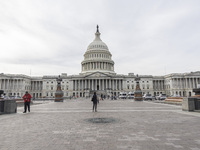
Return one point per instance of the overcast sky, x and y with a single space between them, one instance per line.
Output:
145 37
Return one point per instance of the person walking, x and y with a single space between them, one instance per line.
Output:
27 99
95 100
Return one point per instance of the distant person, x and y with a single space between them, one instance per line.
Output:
94 100
27 99
101 96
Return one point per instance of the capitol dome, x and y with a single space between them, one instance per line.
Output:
97 57
97 44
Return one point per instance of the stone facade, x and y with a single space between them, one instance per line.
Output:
98 75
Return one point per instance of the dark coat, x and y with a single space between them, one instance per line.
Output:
94 99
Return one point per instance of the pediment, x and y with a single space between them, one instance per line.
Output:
97 75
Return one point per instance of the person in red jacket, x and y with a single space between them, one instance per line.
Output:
27 99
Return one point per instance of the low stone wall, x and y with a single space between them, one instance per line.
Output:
174 100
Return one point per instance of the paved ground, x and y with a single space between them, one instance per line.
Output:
65 126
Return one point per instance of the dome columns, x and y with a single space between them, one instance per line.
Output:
92 66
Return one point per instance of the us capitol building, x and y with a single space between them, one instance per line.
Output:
98 75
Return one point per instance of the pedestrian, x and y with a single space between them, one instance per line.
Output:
95 100
27 99
102 97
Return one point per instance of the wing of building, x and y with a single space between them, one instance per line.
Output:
98 74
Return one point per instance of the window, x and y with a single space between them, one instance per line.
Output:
52 88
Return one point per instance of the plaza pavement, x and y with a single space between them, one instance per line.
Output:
65 126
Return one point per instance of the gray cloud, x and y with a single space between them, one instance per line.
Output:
145 37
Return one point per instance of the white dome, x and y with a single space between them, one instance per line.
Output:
97 57
97 44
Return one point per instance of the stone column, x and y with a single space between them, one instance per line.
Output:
3 84
79 85
190 83
156 84
7 85
36 85
193 83
13 83
196 82
186 83
111 82
180 83
100 84
75 85
160 84
115 84
89 84
120 87
83 85
103 84
177 83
